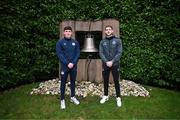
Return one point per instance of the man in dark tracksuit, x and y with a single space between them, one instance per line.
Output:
110 50
68 52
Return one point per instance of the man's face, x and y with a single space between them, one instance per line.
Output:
67 33
108 31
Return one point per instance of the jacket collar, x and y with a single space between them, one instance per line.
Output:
110 38
67 38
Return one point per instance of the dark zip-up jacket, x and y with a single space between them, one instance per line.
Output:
68 51
110 49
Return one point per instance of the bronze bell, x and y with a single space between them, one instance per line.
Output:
89 44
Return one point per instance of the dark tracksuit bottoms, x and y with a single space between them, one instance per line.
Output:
115 74
64 75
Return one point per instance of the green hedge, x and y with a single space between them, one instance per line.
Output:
149 30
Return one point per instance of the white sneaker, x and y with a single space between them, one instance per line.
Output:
118 100
104 99
63 106
75 101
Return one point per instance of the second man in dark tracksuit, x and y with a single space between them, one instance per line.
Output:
110 50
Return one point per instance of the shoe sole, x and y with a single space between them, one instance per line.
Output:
74 102
119 106
105 101
62 108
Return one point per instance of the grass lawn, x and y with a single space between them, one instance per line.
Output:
18 104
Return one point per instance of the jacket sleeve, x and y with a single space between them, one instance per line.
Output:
118 51
60 54
77 53
101 52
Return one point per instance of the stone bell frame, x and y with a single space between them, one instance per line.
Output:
94 72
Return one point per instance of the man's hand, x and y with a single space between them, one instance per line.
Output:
70 65
109 63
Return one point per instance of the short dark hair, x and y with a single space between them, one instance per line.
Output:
67 28
109 26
